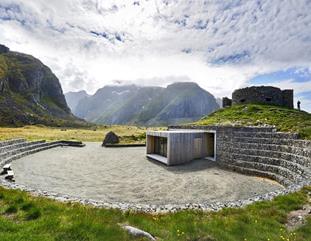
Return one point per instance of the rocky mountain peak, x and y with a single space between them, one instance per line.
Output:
183 85
30 91
148 105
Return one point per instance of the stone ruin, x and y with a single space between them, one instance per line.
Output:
4 49
261 95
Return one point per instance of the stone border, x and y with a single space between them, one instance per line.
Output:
150 208
125 145
156 209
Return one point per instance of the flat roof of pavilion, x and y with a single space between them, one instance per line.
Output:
166 133
180 131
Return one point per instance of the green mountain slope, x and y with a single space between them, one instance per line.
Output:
282 118
30 93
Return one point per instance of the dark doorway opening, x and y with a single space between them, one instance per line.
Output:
211 145
160 146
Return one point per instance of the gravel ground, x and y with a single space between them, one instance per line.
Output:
125 175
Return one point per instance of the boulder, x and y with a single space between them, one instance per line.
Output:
111 138
138 232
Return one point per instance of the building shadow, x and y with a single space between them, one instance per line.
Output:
193 166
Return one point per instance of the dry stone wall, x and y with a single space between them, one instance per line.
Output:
262 151
11 150
255 151
14 149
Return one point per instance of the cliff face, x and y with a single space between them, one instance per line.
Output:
29 92
178 103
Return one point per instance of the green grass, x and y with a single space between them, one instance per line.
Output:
128 134
3 67
253 114
46 220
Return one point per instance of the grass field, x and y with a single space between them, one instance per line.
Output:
27 218
128 134
23 217
283 118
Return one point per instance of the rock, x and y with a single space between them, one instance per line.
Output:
111 138
297 218
137 232
32 93
4 49
147 105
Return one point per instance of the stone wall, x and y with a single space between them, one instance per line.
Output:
262 152
288 98
14 149
263 95
226 102
254 151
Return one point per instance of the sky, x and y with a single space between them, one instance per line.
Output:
221 45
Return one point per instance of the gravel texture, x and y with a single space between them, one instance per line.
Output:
124 175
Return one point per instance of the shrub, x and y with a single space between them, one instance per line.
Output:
19 200
33 214
27 206
11 209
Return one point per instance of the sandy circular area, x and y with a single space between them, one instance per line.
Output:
126 175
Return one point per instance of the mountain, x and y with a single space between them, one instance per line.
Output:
73 98
131 104
30 93
219 102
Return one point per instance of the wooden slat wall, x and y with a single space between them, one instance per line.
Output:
181 146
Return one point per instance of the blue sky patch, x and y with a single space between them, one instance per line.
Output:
201 24
233 59
10 12
295 74
304 95
99 34
305 99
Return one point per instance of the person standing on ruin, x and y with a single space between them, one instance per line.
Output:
298 104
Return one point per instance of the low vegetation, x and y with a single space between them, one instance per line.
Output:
128 134
24 217
282 118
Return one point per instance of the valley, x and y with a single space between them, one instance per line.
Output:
143 105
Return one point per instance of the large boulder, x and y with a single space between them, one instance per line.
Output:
111 138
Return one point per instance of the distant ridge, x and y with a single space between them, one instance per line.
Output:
148 105
73 98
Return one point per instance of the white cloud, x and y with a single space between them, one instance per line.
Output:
300 88
218 44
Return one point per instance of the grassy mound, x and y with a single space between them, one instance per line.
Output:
23 217
282 118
